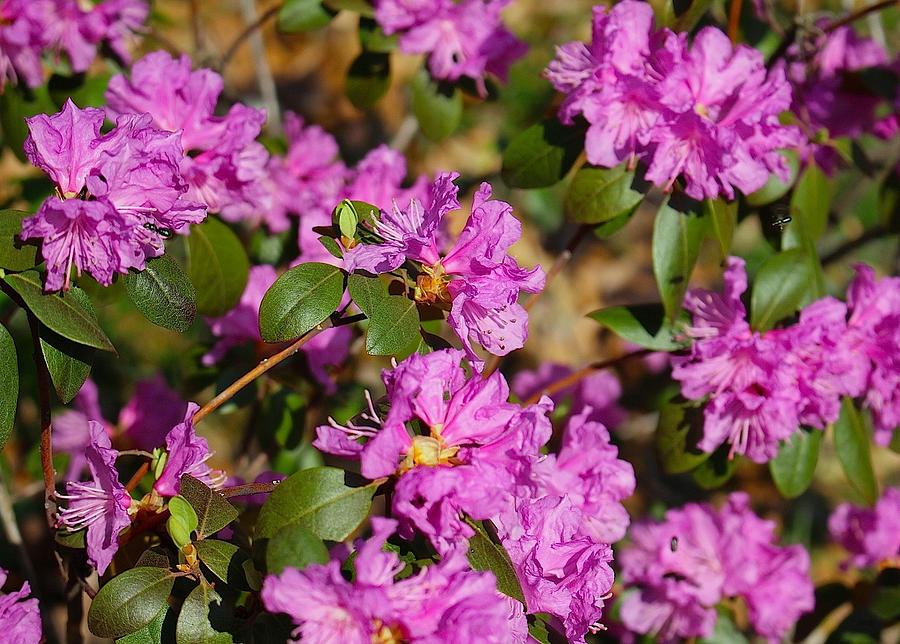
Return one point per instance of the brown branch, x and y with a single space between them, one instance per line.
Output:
248 489
859 13
43 381
136 478
264 17
848 247
734 20
264 365
574 377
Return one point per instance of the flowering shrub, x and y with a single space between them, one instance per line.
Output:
320 375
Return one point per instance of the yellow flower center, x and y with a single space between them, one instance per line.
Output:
431 285
429 451
385 634
702 110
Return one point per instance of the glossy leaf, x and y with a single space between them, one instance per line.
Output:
679 429
299 300
780 287
542 155
14 255
810 205
294 546
393 328
331 503
793 468
129 601
217 266
302 15
715 471
163 293
484 554
853 445
367 292
203 606
722 222
182 521
368 78
677 234
63 314
16 104
598 195
214 512
438 108
9 385
152 633
642 324
229 563
68 363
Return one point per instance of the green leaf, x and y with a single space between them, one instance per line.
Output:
203 606
780 287
484 554
163 293
299 300
69 363
810 205
689 19
14 255
9 385
229 563
16 104
679 429
182 521
393 328
722 222
64 314
331 503
611 227
129 601
438 108
217 266
294 546
715 471
853 445
214 512
642 324
677 234
371 35
152 633
541 155
368 78
775 188
597 195
793 468
347 218
302 15
367 292
725 632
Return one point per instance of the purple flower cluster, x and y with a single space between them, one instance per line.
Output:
31 28
822 98
187 453
241 325
761 386
707 112
696 557
446 601
20 615
477 277
223 164
461 39
870 535
115 192
479 457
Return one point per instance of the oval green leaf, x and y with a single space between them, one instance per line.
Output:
203 606
368 78
9 385
163 293
229 563
853 445
302 15
329 502
722 222
14 255
299 300
484 554
69 364
393 328
793 468
642 324
677 233
780 287
679 429
294 546
217 266
129 601
598 195
542 155
63 314
214 512
438 108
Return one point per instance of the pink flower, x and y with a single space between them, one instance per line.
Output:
870 535
20 615
600 391
444 601
681 568
22 37
378 178
460 38
153 409
223 164
187 453
115 193
477 277
707 113
71 428
102 505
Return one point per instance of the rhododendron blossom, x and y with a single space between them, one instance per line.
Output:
598 392
871 536
186 453
20 615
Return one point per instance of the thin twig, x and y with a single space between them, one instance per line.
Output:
43 381
136 478
264 17
248 489
405 133
558 264
873 233
574 377
859 13
734 19
264 365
